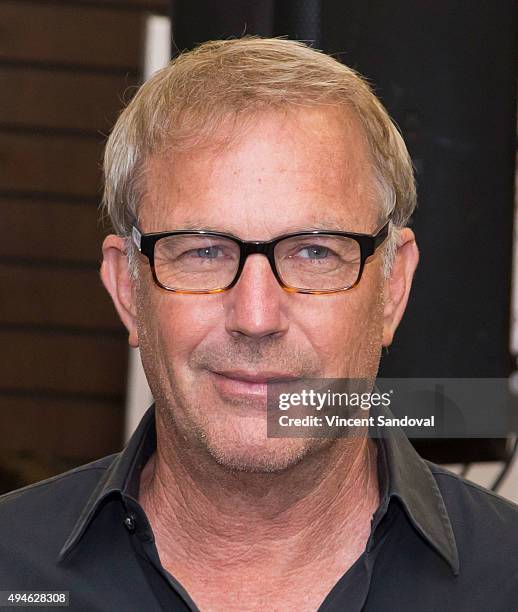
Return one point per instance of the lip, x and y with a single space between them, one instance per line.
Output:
241 383
257 377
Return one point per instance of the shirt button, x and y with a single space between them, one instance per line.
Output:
129 523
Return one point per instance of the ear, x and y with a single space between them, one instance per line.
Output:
397 286
116 278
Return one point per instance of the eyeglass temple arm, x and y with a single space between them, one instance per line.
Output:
137 237
381 234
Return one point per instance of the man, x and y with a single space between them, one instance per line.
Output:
259 194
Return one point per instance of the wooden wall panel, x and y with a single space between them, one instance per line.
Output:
67 427
86 364
66 69
46 296
51 164
67 35
46 230
64 99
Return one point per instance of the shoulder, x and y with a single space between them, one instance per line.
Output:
46 489
41 515
471 499
485 525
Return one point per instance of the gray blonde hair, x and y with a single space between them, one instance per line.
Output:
183 104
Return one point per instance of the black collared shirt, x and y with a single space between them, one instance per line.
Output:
438 543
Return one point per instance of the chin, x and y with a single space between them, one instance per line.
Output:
265 456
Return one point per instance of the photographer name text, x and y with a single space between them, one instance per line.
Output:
370 421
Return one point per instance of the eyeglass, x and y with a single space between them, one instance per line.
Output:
317 262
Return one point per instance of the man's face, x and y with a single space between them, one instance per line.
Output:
207 356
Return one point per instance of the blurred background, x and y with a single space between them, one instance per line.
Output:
69 390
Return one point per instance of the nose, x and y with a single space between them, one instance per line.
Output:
255 305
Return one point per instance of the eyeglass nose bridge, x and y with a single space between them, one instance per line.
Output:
257 247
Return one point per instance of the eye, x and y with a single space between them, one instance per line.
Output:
206 253
314 251
209 252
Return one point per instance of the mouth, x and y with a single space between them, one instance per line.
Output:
248 384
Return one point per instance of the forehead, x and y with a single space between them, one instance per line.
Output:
306 167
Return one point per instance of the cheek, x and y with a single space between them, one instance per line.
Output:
182 322
327 318
345 330
170 327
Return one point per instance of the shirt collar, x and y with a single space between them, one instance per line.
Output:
412 483
120 479
410 480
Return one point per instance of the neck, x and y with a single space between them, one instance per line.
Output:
320 508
